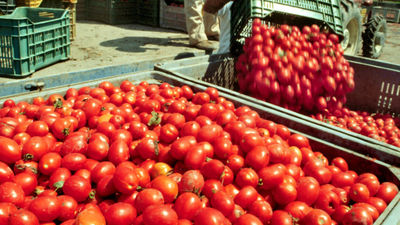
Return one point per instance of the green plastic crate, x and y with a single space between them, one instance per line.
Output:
32 38
293 12
148 12
111 11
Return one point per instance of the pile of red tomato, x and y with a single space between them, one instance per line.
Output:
382 127
306 71
303 70
152 154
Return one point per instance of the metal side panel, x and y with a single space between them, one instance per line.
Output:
323 143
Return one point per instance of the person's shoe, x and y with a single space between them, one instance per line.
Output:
207 45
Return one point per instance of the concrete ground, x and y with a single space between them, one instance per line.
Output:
98 45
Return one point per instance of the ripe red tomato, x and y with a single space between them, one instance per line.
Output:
247 177
77 187
246 196
257 158
73 161
167 186
12 193
271 176
46 208
23 216
317 216
387 191
10 152
125 179
6 210
280 217
191 181
27 181
147 197
118 152
120 213
223 202
210 216
213 169
358 215
68 207
49 162
37 128
307 190
359 192
160 214
187 205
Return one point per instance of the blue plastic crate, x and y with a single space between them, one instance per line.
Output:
32 38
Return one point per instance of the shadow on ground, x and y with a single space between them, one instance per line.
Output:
138 44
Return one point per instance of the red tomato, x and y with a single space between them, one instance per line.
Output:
317 216
387 191
209 216
192 181
190 128
125 179
118 152
167 186
359 192
10 152
27 181
68 207
12 193
77 187
37 128
187 205
46 208
49 162
23 216
307 190
75 143
378 203
209 133
341 163
357 215
6 174
246 196
223 202
168 133
6 210
212 169
247 177
147 148
120 213
90 215
73 161
271 176
257 158
160 215
147 197
280 217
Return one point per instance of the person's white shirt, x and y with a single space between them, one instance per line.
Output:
224 16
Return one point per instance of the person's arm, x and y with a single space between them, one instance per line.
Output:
212 6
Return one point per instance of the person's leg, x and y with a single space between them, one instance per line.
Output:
194 21
211 24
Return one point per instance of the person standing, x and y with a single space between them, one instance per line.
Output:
201 26
223 10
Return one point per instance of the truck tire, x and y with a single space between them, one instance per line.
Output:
352 27
374 37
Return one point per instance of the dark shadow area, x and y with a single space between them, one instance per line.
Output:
138 44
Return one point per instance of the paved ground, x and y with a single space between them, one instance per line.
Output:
99 45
